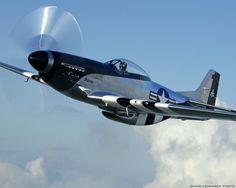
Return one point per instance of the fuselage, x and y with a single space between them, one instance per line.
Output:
123 90
79 77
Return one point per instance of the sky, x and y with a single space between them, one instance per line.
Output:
47 140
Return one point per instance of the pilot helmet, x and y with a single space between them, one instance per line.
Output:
123 66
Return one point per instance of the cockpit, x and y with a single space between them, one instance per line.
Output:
129 69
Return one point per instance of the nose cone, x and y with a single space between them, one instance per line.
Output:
42 61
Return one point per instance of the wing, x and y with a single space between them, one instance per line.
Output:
189 110
22 72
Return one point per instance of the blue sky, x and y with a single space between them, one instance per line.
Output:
70 143
174 37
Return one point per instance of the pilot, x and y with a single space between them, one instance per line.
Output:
123 67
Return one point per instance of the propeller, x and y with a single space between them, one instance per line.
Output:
46 28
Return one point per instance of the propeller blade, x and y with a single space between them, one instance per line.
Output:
46 28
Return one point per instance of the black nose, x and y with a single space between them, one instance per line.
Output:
42 61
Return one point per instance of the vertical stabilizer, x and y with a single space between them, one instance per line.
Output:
207 91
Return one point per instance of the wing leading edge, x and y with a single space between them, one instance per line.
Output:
22 72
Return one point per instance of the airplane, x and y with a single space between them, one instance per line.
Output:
120 88
123 90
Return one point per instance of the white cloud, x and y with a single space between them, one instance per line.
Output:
33 175
35 167
12 176
102 155
191 152
111 155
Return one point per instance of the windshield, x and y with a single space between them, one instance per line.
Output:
128 68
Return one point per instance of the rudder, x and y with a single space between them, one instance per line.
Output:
207 91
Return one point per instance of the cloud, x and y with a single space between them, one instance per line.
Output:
97 155
12 176
34 175
59 150
190 152
35 167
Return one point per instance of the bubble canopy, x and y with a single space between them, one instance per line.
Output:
128 68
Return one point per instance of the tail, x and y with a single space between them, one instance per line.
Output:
207 91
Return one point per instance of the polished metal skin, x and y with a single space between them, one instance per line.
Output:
123 90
